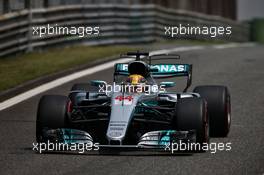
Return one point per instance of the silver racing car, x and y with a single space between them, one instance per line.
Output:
135 111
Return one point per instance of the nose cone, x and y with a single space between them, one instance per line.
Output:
122 112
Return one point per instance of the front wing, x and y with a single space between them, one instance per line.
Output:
151 141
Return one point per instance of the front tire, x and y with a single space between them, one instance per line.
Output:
219 108
52 114
191 114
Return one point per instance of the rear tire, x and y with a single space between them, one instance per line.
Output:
191 114
85 87
52 114
219 108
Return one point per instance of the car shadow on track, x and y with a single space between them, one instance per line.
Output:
110 153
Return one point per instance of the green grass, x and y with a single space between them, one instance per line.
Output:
19 69
257 28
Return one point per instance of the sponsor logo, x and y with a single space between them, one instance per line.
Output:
126 100
162 68
170 68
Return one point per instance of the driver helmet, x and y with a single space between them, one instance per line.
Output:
136 79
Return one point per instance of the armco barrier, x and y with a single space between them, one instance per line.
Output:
118 24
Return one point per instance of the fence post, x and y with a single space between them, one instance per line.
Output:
45 3
28 6
6 6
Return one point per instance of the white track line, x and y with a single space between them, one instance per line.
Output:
47 86
233 45
177 49
60 81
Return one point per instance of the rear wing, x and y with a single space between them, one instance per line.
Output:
170 70
159 70
162 71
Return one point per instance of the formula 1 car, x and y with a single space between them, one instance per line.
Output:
146 116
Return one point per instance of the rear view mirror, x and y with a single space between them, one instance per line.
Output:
167 84
98 83
154 69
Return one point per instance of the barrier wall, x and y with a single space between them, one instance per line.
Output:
118 24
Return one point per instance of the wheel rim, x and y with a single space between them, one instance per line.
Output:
206 125
228 112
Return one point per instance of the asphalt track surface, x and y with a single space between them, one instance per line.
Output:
241 69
